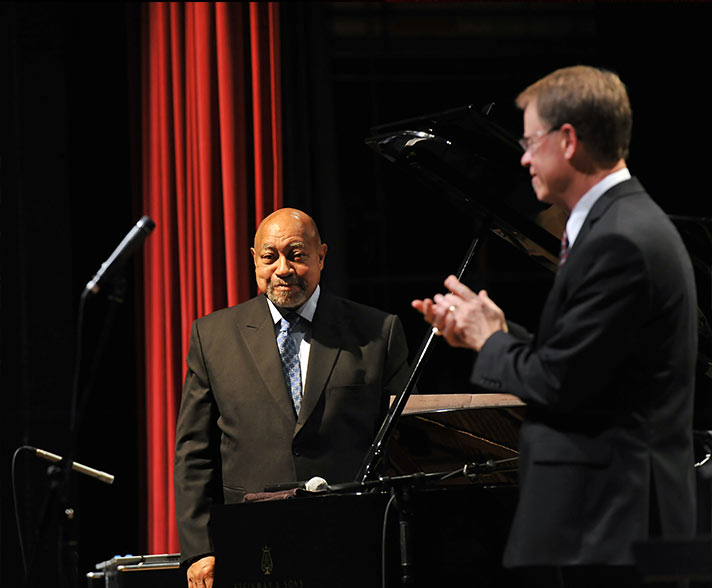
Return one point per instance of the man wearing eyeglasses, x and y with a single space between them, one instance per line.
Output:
606 453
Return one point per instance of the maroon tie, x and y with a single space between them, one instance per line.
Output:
564 249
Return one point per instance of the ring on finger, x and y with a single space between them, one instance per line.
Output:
452 308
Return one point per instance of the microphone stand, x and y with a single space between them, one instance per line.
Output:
59 507
402 489
56 475
403 496
67 541
60 475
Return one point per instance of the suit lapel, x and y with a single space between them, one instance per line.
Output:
325 347
258 331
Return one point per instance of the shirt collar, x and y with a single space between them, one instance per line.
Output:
306 310
585 204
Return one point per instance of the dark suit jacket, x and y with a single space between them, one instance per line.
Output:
605 449
237 429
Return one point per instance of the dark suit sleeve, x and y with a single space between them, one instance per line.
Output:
197 476
597 312
519 332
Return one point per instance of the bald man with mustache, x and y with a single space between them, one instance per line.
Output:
248 417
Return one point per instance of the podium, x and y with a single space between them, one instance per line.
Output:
353 540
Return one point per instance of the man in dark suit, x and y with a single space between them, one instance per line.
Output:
287 386
605 449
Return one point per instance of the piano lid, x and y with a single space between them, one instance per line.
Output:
443 432
474 162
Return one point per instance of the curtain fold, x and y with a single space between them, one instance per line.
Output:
212 164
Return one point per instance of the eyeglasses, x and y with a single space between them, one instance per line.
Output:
530 143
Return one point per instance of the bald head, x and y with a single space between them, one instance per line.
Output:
288 215
289 256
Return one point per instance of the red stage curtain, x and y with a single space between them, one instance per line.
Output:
212 169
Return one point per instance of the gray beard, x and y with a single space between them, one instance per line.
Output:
288 299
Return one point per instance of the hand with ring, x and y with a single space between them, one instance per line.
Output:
464 318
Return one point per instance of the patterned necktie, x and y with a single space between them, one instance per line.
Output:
290 359
564 252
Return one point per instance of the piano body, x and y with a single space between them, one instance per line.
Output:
413 527
456 527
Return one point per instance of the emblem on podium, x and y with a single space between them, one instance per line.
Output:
266 563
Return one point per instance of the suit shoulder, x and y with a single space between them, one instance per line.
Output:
238 312
630 212
637 229
632 198
359 310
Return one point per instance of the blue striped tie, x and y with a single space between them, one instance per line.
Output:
290 359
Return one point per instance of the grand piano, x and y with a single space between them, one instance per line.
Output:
432 503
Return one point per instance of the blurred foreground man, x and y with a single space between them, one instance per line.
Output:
606 453
284 387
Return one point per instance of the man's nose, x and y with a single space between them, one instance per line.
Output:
283 266
526 159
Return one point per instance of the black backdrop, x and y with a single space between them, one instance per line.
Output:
70 189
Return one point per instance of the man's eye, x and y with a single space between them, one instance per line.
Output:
268 258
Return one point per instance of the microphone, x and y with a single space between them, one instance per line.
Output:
132 241
77 467
316 484
473 470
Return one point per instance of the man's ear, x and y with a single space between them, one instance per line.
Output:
569 140
322 254
254 255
